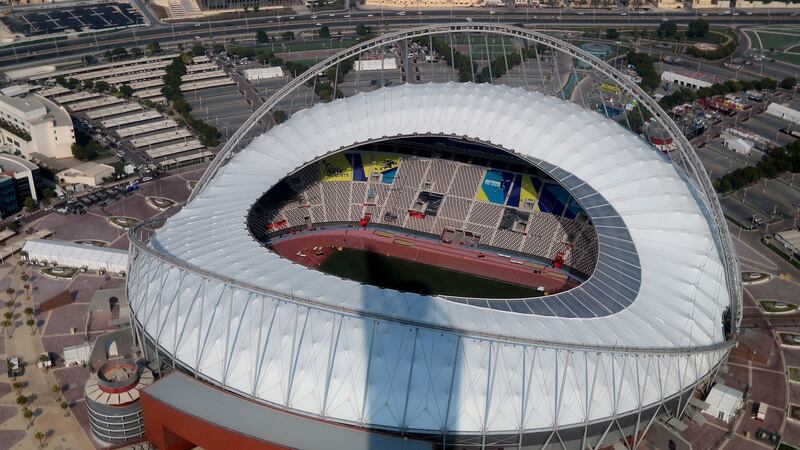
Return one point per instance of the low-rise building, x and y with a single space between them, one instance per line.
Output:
89 173
32 123
687 78
724 402
263 73
784 112
790 240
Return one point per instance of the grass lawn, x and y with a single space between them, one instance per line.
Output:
60 272
772 306
786 447
124 222
396 273
789 339
784 39
794 374
794 412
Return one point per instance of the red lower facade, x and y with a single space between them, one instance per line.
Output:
171 429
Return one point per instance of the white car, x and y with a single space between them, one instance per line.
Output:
401 13
146 179
314 17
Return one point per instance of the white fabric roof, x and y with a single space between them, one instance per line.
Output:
70 254
723 399
340 359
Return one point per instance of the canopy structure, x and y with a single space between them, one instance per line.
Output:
222 306
70 254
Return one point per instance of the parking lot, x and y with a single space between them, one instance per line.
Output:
223 107
74 18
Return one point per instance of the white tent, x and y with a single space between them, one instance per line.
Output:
263 73
784 112
77 354
376 64
69 254
723 402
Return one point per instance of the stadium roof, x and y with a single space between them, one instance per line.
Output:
333 347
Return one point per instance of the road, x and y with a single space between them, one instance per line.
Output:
237 28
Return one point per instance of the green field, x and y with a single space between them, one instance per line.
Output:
408 276
784 40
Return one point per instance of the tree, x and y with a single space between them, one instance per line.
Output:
32 324
47 197
7 326
41 437
612 33
698 28
17 387
279 115
10 292
198 49
218 48
88 59
789 83
667 29
261 36
119 52
65 407
56 390
153 48
87 84
362 30
136 52
22 400
72 83
101 86
30 204
126 91
29 311
324 32
28 415
288 36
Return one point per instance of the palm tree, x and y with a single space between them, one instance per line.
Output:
39 436
65 407
56 390
31 323
22 401
29 312
8 315
27 289
10 291
17 387
7 324
28 415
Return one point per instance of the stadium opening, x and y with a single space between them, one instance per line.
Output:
430 215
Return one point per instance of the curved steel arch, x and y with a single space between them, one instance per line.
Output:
688 161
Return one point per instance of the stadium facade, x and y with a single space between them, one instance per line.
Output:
303 359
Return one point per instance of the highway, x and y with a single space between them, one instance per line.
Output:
218 31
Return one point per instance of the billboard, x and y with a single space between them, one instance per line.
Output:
495 187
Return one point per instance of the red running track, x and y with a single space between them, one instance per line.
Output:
299 247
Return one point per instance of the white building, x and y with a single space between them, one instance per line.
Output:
375 64
723 402
736 143
34 124
89 173
263 73
784 112
79 256
685 78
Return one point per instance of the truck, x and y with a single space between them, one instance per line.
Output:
762 411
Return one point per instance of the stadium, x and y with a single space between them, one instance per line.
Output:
435 265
